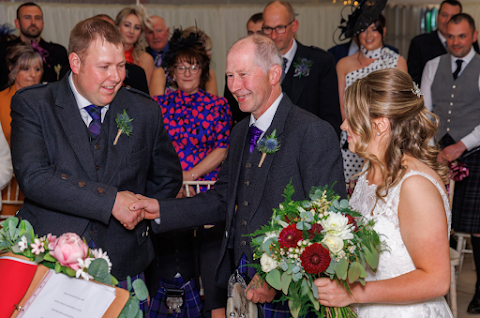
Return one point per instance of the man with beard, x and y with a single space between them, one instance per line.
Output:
30 23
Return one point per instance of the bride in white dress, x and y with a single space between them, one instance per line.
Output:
402 189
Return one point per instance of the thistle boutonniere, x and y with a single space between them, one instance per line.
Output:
57 69
302 67
124 125
268 145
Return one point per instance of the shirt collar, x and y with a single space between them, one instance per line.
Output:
466 59
82 102
443 40
264 121
291 53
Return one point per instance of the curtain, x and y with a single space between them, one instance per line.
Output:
226 23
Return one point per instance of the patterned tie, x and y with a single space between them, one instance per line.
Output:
96 124
459 68
254 134
158 60
285 61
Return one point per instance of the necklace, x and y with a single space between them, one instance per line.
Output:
375 54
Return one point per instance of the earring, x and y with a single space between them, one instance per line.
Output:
378 133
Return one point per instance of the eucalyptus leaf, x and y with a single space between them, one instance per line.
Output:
315 291
363 272
314 301
300 226
296 276
266 246
140 289
291 266
341 267
16 249
305 287
286 280
129 283
273 279
98 268
39 258
331 268
362 281
131 308
354 272
296 269
336 204
284 265
344 204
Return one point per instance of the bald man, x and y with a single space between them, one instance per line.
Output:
157 34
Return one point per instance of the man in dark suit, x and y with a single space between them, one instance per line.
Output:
310 77
30 23
74 177
157 34
245 193
427 46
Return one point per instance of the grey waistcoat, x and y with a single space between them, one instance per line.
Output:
456 103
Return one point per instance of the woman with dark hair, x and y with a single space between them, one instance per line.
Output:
198 124
367 24
401 187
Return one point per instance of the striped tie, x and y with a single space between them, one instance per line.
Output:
96 123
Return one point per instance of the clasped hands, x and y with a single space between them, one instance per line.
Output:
130 208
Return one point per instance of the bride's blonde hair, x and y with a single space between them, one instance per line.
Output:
390 93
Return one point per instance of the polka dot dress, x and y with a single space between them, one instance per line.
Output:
352 164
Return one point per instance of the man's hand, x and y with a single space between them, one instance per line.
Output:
150 207
451 153
259 291
121 210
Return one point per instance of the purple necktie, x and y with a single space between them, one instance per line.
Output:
254 134
96 124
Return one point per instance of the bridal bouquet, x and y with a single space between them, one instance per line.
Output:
70 255
319 237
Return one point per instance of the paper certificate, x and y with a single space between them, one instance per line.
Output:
60 296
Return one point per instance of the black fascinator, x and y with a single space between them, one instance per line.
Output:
358 21
179 42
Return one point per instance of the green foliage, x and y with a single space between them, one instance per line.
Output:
273 279
124 122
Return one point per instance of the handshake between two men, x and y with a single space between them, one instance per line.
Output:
130 209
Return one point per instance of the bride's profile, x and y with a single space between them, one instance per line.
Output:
401 186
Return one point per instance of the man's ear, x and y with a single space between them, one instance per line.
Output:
75 62
275 74
17 24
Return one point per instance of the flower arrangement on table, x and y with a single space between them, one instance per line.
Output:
319 237
70 255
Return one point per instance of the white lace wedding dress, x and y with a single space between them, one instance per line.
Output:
397 260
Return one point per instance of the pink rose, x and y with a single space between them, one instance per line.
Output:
51 241
68 249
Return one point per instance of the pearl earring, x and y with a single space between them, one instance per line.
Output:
378 133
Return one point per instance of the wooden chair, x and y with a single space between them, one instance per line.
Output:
452 293
11 195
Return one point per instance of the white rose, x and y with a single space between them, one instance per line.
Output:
267 263
337 224
333 243
270 235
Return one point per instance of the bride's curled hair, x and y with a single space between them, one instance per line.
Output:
390 93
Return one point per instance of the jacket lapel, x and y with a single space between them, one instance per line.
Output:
278 124
116 153
291 85
72 124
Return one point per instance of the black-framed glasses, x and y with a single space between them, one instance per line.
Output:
181 69
278 29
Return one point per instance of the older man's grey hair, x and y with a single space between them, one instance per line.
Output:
266 53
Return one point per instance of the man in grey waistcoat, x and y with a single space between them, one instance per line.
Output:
451 88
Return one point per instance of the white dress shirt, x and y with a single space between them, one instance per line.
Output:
471 140
263 122
82 102
290 55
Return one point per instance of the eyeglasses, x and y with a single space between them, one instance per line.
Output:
181 69
278 29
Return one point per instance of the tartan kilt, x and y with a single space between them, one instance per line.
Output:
466 197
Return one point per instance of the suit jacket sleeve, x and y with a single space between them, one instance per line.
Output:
6 169
414 60
328 93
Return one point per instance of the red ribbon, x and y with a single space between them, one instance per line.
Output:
458 171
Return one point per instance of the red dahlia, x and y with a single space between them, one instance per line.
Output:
315 259
316 229
351 220
290 236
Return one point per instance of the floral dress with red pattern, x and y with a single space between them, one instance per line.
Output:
197 124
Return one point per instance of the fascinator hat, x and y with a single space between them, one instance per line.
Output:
180 42
358 21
